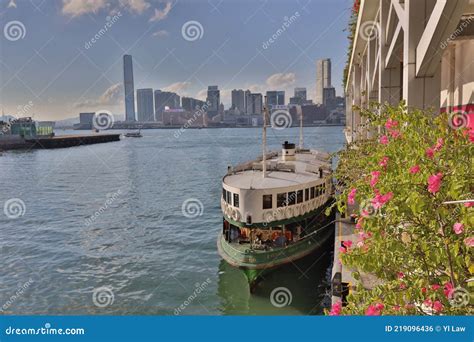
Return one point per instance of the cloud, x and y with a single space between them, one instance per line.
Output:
111 96
280 80
137 6
161 33
162 14
177 87
76 8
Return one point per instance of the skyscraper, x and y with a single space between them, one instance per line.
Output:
254 104
129 88
238 100
323 78
165 99
301 93
145 110
190 104
213 100
275 98
329 94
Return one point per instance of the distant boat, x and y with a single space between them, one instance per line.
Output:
134 134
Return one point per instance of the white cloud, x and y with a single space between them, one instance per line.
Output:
111 96
161 33
177 87
76 8
162 14
137 6
280 80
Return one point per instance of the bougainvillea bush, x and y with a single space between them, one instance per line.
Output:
418 246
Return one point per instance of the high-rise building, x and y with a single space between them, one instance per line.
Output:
329 94
128 88
213 100
323 78
301 93
190 104
254 104
275 98
145 110
165 100
238 100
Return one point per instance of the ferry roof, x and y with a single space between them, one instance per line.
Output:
306 168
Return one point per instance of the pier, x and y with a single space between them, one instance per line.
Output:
61 141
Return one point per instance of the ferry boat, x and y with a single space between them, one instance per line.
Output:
274 208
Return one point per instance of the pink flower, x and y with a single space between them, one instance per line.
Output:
437 306
428 302
439 145
448 290
379 306
359 223
336 309
435 287
391 124
469 242
384 162
347 244
469 204
429 152
379 200
458 228
375 178
396 307
342 250
400 275
373 310
403 286
351 196
395 134
383 140
434 182
423 290
414 169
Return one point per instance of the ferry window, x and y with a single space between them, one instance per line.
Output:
300 196
324 188
292 198
318 190
236 200
312 192
224 194
281 200
306 194
229 197
267 201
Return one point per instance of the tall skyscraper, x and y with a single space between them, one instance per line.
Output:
254 104
329 94
145 110
323 78
275 98
165 99
129 88
214 100
238 100
190 104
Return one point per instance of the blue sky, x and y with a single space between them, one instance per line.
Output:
48 69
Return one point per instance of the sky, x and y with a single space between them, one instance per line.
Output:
51 68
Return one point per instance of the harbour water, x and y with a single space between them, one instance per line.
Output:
110 217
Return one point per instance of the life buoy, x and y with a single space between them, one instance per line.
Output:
235 215
298 211
289 212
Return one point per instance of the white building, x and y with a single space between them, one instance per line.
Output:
418 51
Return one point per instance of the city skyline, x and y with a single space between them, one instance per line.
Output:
63 71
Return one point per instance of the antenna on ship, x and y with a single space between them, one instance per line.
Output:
300 110
264 139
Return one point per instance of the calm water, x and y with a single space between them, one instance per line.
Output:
139 246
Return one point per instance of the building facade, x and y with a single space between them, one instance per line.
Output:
419 51
238 100
191 104
254 104
145 110
214 100
323 79
165 100
275 98
129 88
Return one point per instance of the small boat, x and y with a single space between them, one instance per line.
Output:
134 134
274 208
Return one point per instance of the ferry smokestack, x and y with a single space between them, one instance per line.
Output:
288 151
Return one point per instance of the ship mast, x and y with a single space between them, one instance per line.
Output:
264 139
301 125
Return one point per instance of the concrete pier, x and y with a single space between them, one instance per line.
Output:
61 141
